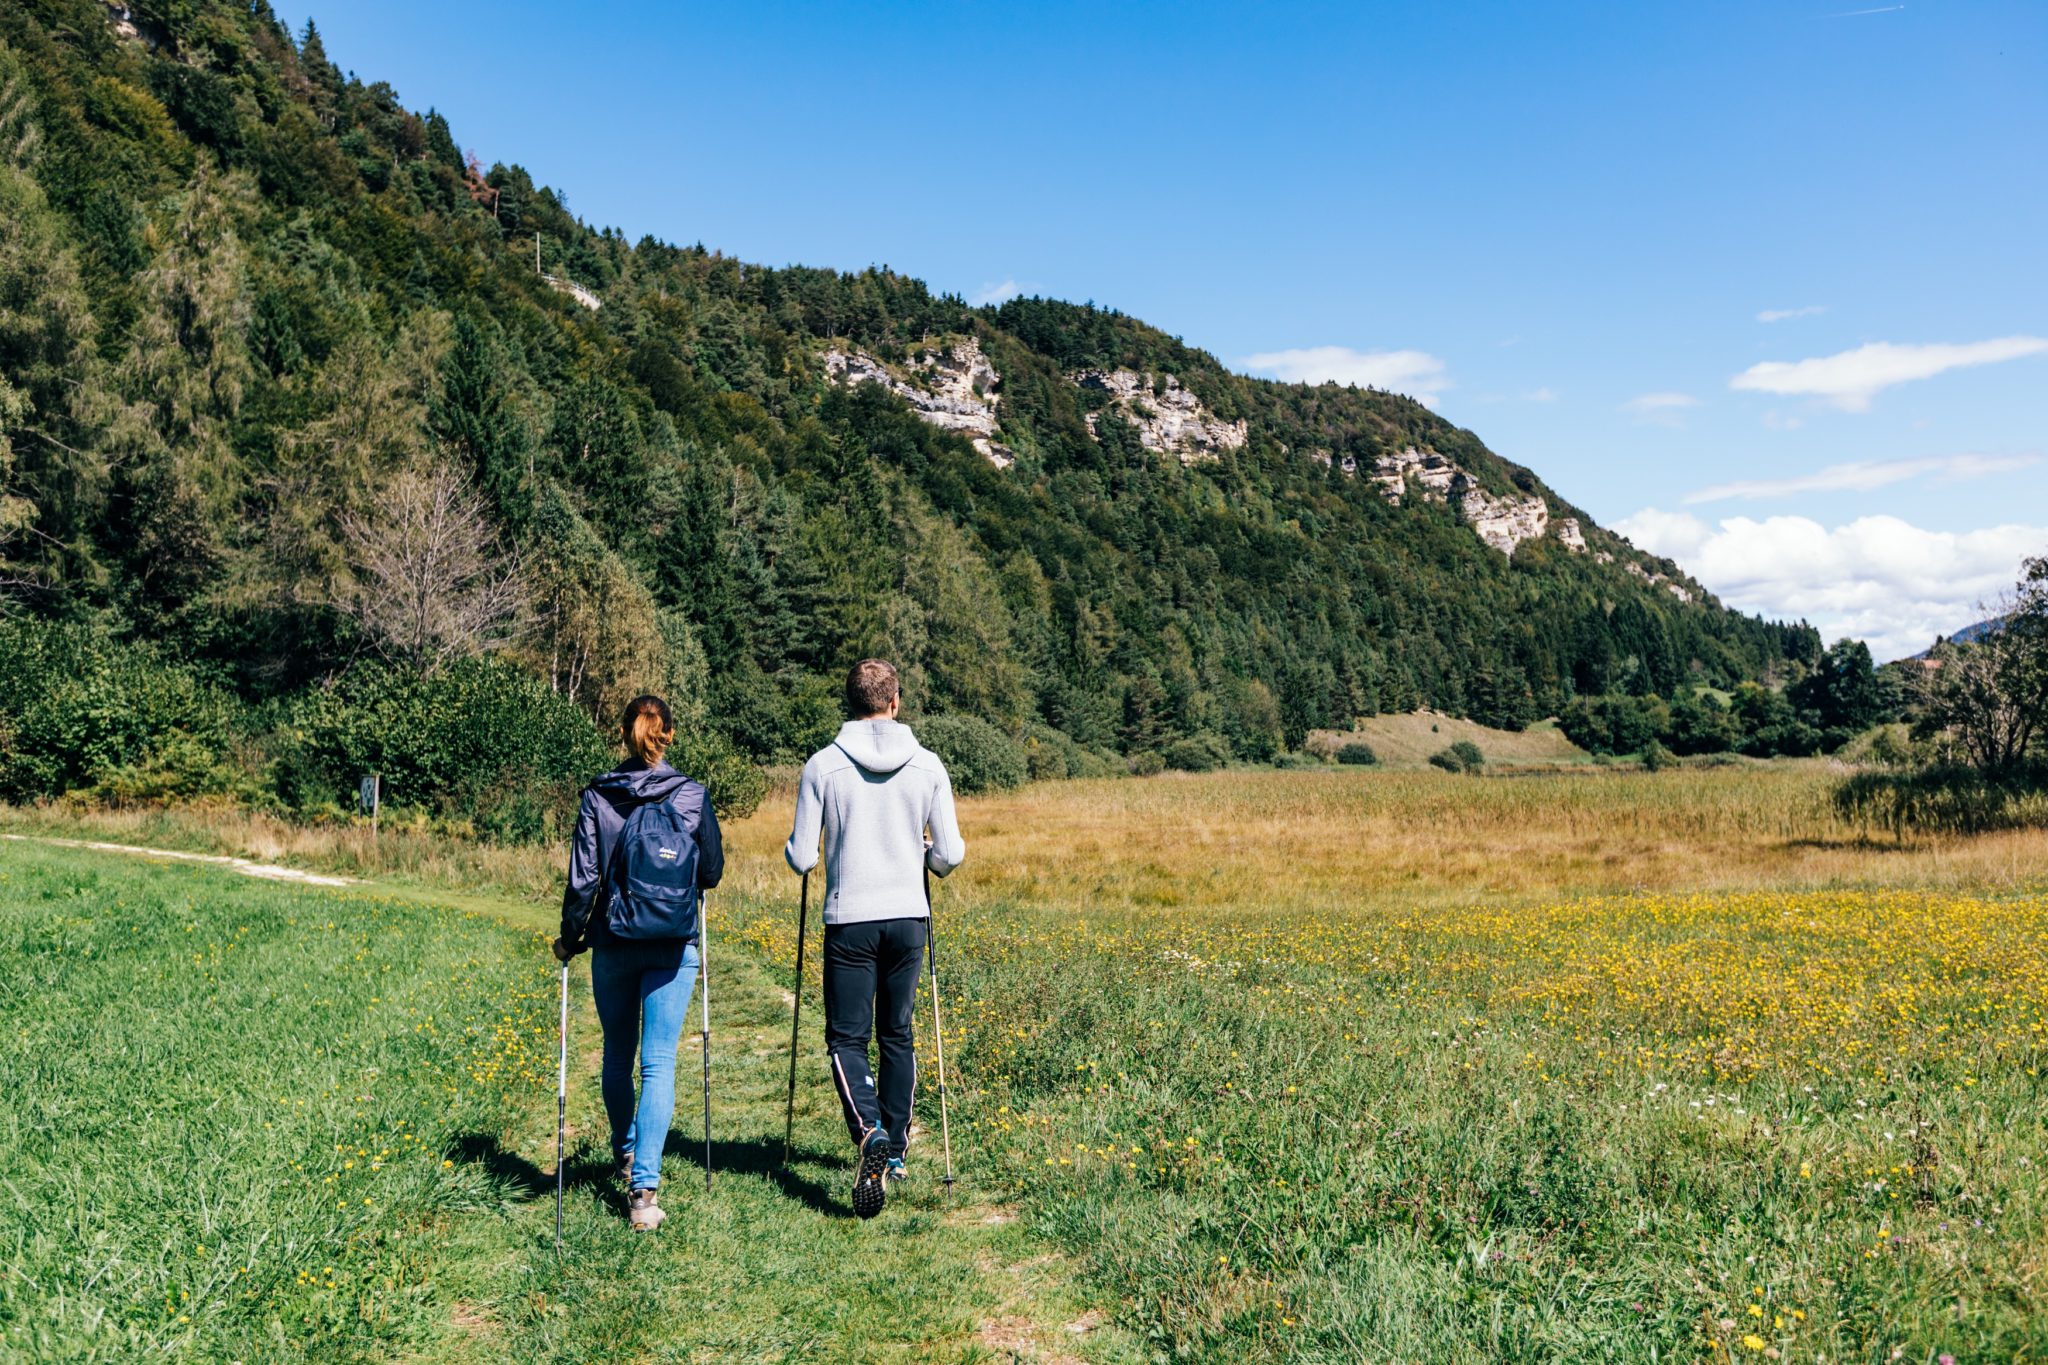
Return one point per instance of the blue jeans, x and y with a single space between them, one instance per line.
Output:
642 1007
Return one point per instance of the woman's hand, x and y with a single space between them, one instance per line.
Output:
563 952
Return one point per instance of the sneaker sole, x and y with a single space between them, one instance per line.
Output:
870 1190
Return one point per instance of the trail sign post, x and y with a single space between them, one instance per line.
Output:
369 796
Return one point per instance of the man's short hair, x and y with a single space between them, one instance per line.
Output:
870 687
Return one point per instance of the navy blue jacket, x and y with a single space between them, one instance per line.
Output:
607 801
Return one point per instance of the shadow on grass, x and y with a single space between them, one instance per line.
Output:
763 1156
523 1180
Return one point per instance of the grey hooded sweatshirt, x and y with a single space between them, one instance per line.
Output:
876 792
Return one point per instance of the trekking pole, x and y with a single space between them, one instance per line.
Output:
931 959
561 1109
796 1010
704 969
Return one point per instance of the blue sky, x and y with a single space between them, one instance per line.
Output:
1763 285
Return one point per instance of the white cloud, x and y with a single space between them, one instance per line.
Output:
995 293
1879 578
1787 314
1545 394
1849 379
1661 408
1860 476
1659 402
1417 373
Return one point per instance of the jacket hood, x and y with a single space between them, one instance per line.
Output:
640 782
880 746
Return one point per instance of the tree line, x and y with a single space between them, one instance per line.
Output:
287 410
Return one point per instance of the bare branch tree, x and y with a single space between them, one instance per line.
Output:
1987 701
431 584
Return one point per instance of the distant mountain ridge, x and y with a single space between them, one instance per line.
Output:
250 291
1968 635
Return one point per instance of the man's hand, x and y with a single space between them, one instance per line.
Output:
563 952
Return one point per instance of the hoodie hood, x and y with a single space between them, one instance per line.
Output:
640 782
879 746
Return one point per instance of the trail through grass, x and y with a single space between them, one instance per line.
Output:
254 1122
1267 1066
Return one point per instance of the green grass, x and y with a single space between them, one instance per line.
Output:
1325 1066
254 1122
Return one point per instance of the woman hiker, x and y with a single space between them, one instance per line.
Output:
646 849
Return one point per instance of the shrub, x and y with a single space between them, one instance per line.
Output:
735 784
1461 757
82 711
1045 752
1656 758
480 740
1052 754
978 756
1198 753
1357 752
1147 763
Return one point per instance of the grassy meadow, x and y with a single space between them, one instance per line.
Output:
1318 1065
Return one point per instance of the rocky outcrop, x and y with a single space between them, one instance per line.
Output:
1168 417
1502 522
1676 589
1569 533
952 387
1438 478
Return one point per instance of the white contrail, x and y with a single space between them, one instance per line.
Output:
1859 13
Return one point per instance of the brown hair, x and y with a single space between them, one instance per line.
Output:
870 687
648 728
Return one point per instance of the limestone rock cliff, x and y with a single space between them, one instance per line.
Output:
952 386
1502 522
1169 418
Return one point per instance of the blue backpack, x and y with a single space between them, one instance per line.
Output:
654 876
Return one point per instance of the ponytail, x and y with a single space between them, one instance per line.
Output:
647 728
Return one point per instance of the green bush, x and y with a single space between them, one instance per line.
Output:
978 756
1461 757
1198 753
480 741
81 711
735 784
1656 758
1146 763
1358 753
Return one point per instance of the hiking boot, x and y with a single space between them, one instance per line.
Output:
897 1170
624 1170
868 1184
642 1212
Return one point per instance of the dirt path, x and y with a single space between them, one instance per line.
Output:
248 868
769 1264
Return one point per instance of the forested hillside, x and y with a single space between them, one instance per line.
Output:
311 409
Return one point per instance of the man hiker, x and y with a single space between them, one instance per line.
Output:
885 806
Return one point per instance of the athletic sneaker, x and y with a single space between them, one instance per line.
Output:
644 1214
868 1183
897 1170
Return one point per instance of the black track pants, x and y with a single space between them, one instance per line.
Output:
871 972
